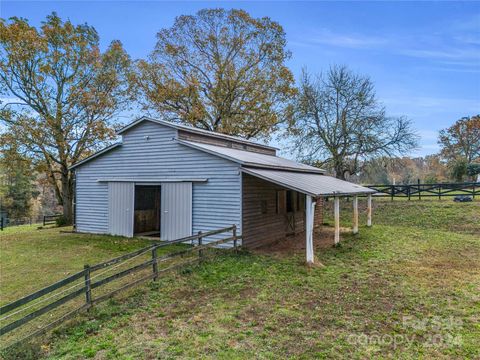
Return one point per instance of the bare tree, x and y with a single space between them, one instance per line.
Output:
339 122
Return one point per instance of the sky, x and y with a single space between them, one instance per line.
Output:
424 57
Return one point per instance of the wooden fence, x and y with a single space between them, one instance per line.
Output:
42 219
50 219
427 190
92 281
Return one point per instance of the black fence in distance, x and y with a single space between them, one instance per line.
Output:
43 219
418 191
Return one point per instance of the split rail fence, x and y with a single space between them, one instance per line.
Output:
43 219
91 279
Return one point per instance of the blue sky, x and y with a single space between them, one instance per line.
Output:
424 57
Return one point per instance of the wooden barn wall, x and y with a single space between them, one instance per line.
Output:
263 228
149 150
184 135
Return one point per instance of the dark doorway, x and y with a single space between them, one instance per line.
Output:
147 210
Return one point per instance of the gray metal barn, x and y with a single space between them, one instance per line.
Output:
169 180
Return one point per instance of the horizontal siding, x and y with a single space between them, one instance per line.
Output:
216 203
270 227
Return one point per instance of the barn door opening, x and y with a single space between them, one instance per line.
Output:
147 210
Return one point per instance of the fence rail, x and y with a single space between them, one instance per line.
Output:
50 219
427 190
90 281
42 219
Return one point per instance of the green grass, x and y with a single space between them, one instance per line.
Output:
31 258
414 277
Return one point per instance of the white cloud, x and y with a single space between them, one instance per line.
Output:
456 43
445 53
434 104
328 37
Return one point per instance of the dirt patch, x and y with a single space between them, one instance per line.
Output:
322 238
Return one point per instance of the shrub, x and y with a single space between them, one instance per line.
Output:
62 221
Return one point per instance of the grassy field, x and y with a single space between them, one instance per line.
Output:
407 288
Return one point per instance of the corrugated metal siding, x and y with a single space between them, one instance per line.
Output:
216 203
176 212
120 208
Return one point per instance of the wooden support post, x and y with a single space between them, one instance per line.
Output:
234 235
355 214
154 264
369 210
88 289
337 219
200 240
309 212
419 192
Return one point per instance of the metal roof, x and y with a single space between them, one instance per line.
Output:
252 159
310 184
193 130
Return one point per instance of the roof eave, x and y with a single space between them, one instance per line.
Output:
250 164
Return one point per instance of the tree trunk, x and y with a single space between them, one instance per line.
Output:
340 172
67 196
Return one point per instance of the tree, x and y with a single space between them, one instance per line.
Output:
17 189
461 141
473 170
219 70
459 169
339 122
64 93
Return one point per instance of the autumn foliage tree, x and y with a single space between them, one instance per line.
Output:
219 70
60 93
17 188
461 140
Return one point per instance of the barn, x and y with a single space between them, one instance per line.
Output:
170 181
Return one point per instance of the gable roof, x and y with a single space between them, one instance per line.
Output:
252 159
193 130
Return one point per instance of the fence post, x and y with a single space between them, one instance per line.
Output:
419 192
392 190
439 192
200 252
1 221
43 220
234 234
409 191
154 264
473 191
88 289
